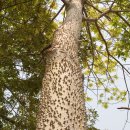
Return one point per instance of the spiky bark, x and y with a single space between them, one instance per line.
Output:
62 101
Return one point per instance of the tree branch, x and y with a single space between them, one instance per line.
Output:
15 96
98 28
90 36
105 13
123 19
58 13
120 64
126 108
98 10
51 22
112 5
126 83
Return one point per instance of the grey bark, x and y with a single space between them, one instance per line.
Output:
62 104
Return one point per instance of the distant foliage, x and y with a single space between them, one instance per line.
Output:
92 117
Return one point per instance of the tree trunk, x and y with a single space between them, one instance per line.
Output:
62 101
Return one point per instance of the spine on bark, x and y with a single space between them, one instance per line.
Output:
62 105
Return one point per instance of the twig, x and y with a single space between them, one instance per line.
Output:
18 124
17 98
98 28
112 5
108 50
123 19
126 84
45 48
128 97
120 64
58 13
125 108
53 18
98 10
90 36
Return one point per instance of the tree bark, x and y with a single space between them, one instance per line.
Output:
62 104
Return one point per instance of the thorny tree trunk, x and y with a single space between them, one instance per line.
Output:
62 100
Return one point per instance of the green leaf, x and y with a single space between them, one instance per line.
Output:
105 105
88 99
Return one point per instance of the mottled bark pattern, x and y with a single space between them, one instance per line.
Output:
62 100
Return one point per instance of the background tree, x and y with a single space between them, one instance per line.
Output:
26 28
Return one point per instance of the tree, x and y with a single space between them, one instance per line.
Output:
59 108
26 28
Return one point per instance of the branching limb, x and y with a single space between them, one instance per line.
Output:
104 14
98 10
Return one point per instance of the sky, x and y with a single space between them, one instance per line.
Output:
112 118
